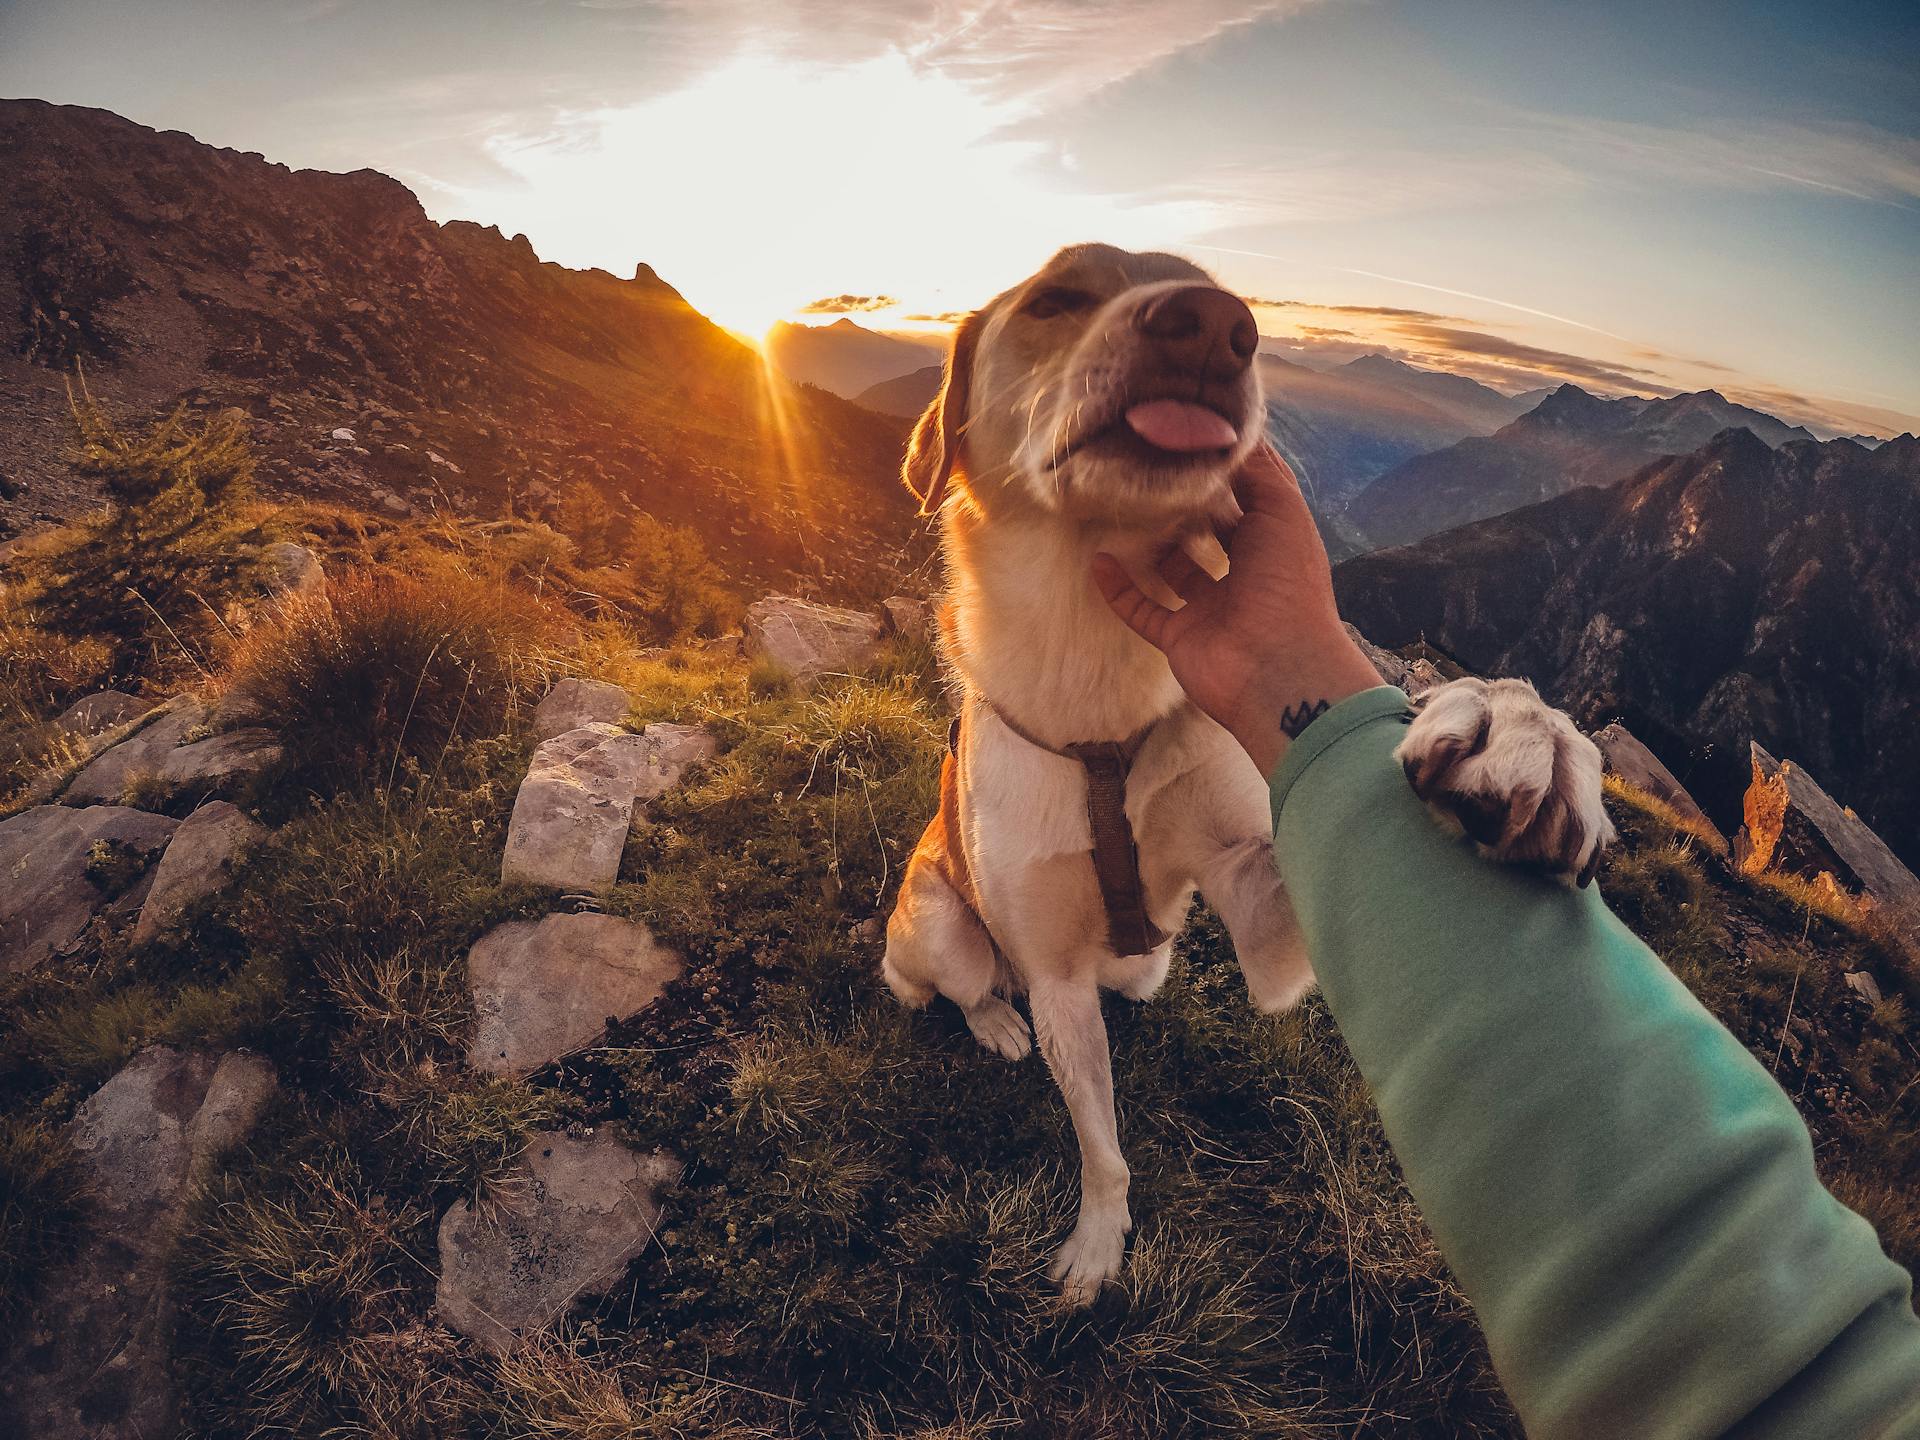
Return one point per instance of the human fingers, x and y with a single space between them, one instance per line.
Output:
1137 610
1184 575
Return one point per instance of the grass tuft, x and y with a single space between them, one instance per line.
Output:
42 1208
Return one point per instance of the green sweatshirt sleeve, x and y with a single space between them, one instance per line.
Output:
1626 1196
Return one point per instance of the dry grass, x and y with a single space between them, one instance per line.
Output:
388 666
42 1207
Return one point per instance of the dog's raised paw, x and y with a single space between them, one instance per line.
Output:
1001 1028
1514 773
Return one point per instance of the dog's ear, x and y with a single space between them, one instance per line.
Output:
934 450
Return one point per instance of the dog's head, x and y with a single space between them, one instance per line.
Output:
1108 386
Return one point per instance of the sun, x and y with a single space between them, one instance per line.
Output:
761 186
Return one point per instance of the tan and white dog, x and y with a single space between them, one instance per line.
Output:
1104 405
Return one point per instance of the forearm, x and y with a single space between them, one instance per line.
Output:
1625 1195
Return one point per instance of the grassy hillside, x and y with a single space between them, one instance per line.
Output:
858 1247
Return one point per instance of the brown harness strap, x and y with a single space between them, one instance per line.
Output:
1116 856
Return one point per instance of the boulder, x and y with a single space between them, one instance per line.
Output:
807 640
544 988
293 571
169 766
1622 754
60 866
575 702
100 711
343 435
1793 824
199 861
909 618
565 1224
91 1358
574 809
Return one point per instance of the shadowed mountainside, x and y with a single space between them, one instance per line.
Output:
380 354
1737 592
845 358
1569 440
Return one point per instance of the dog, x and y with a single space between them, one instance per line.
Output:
1104 404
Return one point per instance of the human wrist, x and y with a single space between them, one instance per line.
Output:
1293 688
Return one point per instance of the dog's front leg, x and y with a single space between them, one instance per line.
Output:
1073 1037
1244 889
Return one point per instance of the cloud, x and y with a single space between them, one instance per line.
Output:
1449 341
945 317
1035 54
1391 312
847 304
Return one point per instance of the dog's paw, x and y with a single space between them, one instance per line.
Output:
1092 1254
1516 775
1001 1028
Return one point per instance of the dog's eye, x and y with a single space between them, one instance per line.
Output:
1056 300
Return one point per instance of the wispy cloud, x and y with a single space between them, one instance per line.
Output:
1445 340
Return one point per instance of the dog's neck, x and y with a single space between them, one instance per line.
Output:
1032 634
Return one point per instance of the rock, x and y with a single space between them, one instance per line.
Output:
1390 667
91 1360
395 505
293 571
49 890
574 809
1863 985
100 711
199 861
1622 754
542 989
908 618
564 1225
169 767
1792 824
343 435
808 640
575 702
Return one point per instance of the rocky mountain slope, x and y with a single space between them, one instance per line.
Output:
844 357
905 395
1479 406
387 360
1569 440
1737 593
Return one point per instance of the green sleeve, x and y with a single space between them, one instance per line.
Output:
1626 1196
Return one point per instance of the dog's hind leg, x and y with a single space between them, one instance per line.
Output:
935 943
1073 1037
1244 889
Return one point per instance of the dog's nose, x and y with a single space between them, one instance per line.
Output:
1200 328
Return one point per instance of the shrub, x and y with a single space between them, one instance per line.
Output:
678 589
388 666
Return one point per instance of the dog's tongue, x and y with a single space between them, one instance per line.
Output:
1181 425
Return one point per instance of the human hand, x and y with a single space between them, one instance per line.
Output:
1262 650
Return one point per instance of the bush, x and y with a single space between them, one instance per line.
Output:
388 666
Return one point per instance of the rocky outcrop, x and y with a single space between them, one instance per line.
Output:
575 702
169 761
292 572
542 989
565 1224
199 861
806 640
576 805
91 1361
60 867
908 617
1625 756
100 712
1792 824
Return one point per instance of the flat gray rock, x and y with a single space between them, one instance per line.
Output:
574 809
90 1362
199 860
575 702
1622 754
292 571
807 640
564 1224
908 617
164 762
544 988
101 711
48 891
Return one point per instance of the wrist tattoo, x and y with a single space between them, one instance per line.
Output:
1296 718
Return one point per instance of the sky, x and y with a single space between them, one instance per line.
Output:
1638 197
